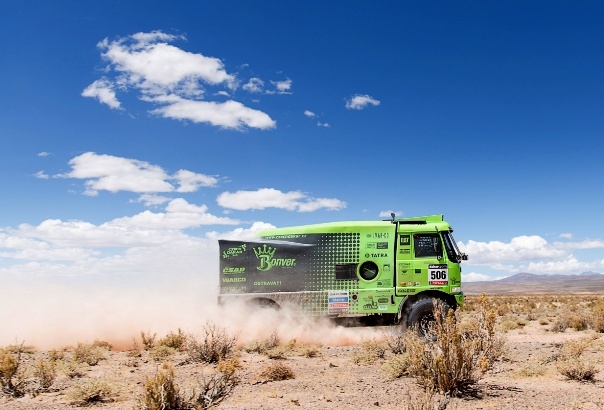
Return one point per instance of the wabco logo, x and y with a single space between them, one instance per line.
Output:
238 250
265 255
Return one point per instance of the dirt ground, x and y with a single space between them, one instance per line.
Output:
332 380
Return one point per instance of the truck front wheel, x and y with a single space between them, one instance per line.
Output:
421 314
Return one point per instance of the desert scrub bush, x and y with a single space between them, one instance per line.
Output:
532 369
56 355
228 366
102 344
453 356
162 392
176 341
91 391
70 368
161 352
135 350
279 352
395 341
597 316
371 351
570 362
275 371
264 345
570 318
148 339
310 350
46 372
577 369
213 390
89 353
426 400
397 365
543 321
575 348
12 373
217 344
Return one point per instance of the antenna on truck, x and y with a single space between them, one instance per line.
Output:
392 214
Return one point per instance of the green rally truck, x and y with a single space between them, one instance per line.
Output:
394 268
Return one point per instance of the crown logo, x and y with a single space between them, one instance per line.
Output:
265 252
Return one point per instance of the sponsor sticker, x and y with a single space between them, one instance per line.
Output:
438 274
338 301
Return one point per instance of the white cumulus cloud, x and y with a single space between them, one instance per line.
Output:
113 174
359 102
103 91
532 253
229 114
254 85
175 81
283 87
272 198
475 277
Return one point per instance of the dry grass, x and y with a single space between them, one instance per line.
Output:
12 372
571 363
213 390
264 345
371 351
397 366
427 400
46 372
148 340
90 354
533 369
395 341
310 350
454 354
90 391
563 312
162 393
597 316
577 369
217 344
275 371
70 368
176 341
161 352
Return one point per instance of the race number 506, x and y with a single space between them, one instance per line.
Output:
438 275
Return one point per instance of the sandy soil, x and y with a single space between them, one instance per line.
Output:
332 380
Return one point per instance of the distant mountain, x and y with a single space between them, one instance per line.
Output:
520 277
590 273
529 283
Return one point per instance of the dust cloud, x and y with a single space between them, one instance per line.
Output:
55 315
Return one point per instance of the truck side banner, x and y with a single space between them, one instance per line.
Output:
289 263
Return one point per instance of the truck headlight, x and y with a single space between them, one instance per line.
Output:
456 289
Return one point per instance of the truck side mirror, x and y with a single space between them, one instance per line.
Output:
437 246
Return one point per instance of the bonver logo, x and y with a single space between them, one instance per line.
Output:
265 255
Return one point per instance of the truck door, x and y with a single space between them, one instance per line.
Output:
429 267
404 281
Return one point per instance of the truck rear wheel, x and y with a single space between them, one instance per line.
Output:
263 303
421 314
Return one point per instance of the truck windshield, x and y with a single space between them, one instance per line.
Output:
453 252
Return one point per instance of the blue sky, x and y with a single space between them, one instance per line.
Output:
134 135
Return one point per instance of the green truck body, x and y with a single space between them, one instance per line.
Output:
347 268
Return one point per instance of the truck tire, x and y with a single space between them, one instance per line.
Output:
421 314
262 303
